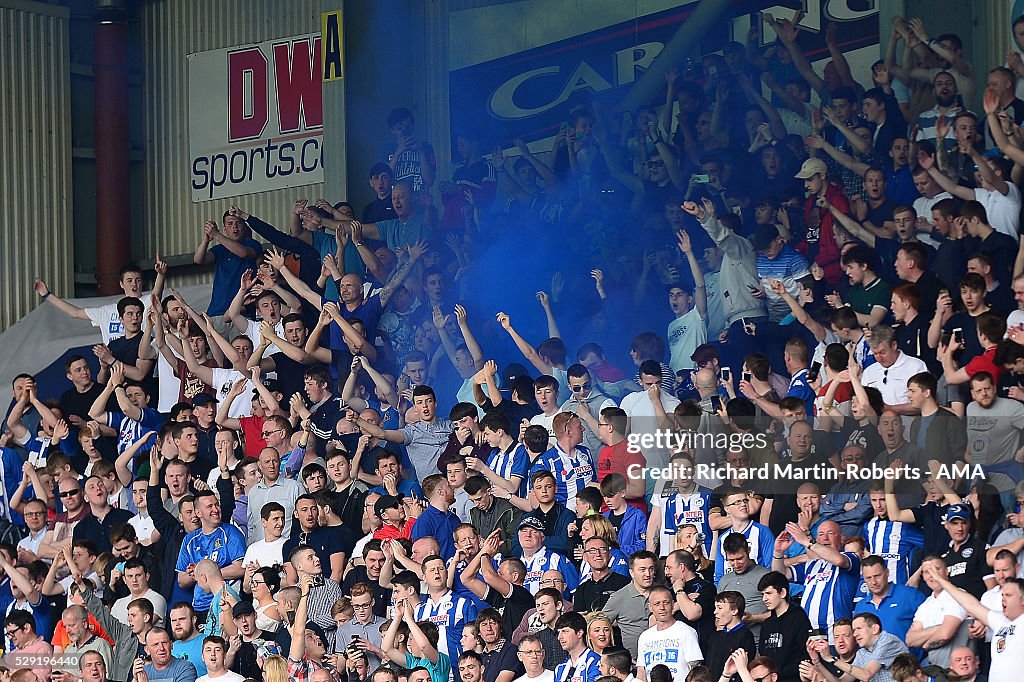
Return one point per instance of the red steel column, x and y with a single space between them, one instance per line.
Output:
110 69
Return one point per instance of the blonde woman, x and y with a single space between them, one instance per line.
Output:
690 539
599 632
275 669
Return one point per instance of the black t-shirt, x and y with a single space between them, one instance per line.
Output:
1007 380
349 505
967 566
289 375
497 662
201 468
78 404
512 608
881 213
325 541
936 538
929 286
378 210
515 412
705 591
784 640
381 595
592 596
91 528
126 350
866 436
969 325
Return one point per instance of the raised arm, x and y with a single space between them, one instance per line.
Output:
373 264
390 435
838 58
847 161
122 465
234 312
1002 140
927 162
313 347
276 260
700 292
753 94
386 388
506 181
892 505
859 143
798 311
387 644
469 338
961 65
787 30
67 308
441 323
360 344
970 604
523 345
416 251
416 634
543 170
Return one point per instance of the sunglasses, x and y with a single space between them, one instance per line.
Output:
70 493
581 387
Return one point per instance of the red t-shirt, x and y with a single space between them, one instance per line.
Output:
252 427
617 459
843 392
387 532
986 362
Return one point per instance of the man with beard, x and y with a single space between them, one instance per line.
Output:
437 520
946 107
188 640
994 428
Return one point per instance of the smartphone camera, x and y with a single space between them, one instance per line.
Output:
812 373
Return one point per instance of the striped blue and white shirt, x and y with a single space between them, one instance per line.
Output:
681 509
828 589
546 560
449 613
761 541
573 471
586 668
895 542
514 462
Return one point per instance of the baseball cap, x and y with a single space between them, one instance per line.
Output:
386 502
203 399
531 522
318 631
764 237
513 371
242 608
957 511
810 168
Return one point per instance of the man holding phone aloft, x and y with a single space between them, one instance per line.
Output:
689 329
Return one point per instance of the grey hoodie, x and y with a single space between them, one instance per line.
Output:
738 275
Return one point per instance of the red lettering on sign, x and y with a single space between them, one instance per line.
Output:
299 90
247 122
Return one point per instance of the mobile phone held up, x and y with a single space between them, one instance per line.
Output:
813 372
